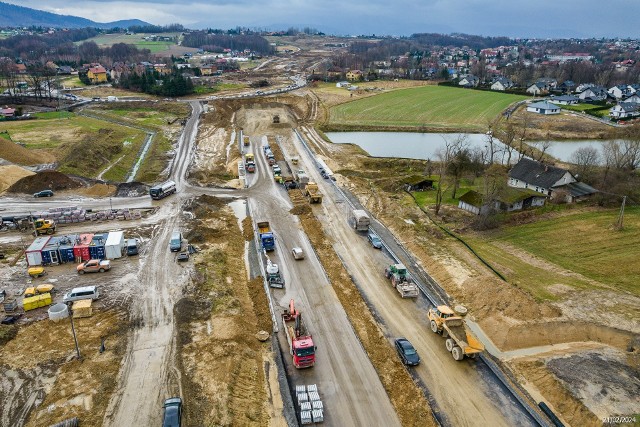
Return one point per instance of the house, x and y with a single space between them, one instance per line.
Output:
417 183
625 110
512 199
21 68
565 99
584 86
65 70
538 176
7 112
354 75
567 86
633 98
543 107
469 81
593 94
633 88
208 70
162 68
537 89
97 74
574 191
619 91
502 83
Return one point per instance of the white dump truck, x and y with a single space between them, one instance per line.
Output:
359 220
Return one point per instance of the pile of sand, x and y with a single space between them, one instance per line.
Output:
10 174
46 180
18 154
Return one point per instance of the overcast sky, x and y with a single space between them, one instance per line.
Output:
513 18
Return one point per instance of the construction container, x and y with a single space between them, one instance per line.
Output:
65 250
81 248
97 246
114 247
37 301
82 308
34 251
10 305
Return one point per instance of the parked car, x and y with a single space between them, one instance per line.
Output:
297 253
132 247
84 292
94 266
172 412
374 240
43 193
183 256
175 244
408 354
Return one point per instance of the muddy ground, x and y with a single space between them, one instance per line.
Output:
227 374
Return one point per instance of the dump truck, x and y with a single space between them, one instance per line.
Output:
359 220
400 279
300 341
44 226
267 239
250 163
301 176
312 192
460 341
274 278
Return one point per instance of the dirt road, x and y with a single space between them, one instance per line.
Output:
145 378
350 387
461 391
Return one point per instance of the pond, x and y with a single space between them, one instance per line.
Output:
424 146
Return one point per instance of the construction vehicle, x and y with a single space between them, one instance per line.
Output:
359 220
163 190
400 279
250 163
301 176
460 341
312 192
300 341
295 160
271 159
267 239
36 271
44 226
274 278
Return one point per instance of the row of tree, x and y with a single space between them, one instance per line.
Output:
152 82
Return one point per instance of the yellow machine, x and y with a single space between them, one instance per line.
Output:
38 290
45 226
36 271
460 341
37 301
312 192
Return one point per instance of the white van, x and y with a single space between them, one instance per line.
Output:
85 292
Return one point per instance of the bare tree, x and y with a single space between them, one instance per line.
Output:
585 159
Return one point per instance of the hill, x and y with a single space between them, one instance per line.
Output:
18 16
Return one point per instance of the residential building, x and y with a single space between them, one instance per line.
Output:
537 89
543 107
469 81
625 110
512 199
7 112
593 94
97 74
619 91
354 75
502 83
565 99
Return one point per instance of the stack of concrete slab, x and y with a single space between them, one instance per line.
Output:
311 407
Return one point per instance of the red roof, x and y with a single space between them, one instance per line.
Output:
97 70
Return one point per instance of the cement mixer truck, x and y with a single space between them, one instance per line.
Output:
274 278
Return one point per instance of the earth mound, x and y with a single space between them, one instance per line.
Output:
45 180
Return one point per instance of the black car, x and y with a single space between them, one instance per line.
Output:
407 353
374 241
10 320
43 193
172 416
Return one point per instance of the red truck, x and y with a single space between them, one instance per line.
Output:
300 341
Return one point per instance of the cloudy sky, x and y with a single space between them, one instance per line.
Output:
514 18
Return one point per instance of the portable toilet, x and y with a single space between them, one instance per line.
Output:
50 253
65 250
97 246
81 248
34 251
115 245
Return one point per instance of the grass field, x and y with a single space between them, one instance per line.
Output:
134 39
80 145
438 107
595 110
581 240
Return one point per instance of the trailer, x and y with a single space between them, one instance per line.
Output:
34 251
460 341
401 281
359 220
163 190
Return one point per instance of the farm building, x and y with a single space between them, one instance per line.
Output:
418 183
34 251
543 107
115 245
511 200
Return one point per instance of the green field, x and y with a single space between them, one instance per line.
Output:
437 107
581 240
593 109
134 39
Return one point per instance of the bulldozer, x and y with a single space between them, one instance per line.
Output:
44 226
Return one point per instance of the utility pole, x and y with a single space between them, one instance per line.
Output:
619 225
73 329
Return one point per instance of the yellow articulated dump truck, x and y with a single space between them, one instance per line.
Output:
460 341
312 192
